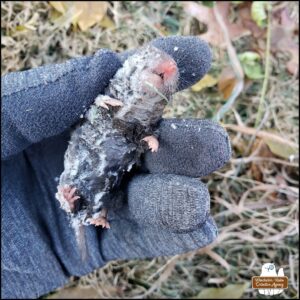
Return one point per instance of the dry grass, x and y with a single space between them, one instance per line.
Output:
257 219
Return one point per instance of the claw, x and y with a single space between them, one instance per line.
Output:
72 192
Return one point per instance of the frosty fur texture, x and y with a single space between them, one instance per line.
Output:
108 142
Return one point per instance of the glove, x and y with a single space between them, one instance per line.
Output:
165 210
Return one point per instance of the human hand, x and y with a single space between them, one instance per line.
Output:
166 210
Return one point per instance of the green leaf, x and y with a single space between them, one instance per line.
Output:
208 3
231 291
249 56
250 62
20 28
258 12
253 72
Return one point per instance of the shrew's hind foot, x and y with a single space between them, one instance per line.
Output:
104 101
101 220
66 196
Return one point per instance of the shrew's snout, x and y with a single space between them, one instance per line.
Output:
168 71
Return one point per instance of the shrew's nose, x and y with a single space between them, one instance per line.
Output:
168 69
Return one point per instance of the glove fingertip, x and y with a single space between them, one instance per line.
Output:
103 67
189 147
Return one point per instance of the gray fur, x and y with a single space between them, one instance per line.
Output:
108 143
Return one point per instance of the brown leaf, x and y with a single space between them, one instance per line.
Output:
261 150
214 34
293 64
226 83
91 13
231 291
286 20
76 292
281 149
84 13
244 13
281 40
280 146
58 5
107 22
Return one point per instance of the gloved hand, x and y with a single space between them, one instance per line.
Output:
166 209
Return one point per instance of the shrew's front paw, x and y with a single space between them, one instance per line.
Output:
66 196
104 101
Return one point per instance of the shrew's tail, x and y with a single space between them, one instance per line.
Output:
81 240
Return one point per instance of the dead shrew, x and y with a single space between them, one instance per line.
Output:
113 135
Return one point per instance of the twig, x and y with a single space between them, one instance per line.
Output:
258 128
262 134
246 160
167 270
267 71
237 68
236 91
218 258
162 267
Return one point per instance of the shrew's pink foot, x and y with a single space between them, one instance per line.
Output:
101 220
104 101
152 142
66 195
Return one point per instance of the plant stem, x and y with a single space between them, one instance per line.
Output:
236 66
267 72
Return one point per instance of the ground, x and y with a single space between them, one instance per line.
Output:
254 198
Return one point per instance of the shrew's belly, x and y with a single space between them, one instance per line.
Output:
145 113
